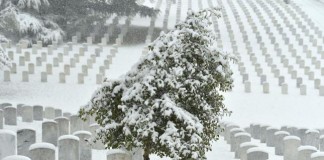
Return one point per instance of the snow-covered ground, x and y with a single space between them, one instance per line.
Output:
274 109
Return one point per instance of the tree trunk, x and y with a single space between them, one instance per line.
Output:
146 155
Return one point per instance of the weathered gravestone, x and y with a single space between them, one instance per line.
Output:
25 138
7 143
68 148
42 151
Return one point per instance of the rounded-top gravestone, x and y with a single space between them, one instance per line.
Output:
115 154
68 148
38 113
42 151
27 114
257 153
10 115
317 156
291 144
25 138
50 132
240 138
49 113
63 125
7 143
243 149
85 149
75 123
279 144
304 152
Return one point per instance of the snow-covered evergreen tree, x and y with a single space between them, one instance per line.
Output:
90 16
4 59
22 19
170 103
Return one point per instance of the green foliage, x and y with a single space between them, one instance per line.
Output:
86 15
170 103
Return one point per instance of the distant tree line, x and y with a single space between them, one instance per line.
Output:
52 20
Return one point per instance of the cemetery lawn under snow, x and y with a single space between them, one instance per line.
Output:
274 108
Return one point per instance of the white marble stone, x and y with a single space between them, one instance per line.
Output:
10 115
8 143
75 124
304 152
25 138
85 148
63 125
279 143
38 113
68 148
49 113
42 151
27 113
50 132
291 144
257 153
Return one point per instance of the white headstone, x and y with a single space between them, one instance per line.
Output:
257 153
8 143
270 136
304 152
99 79
312 138
6 75
27 114
80 78
291 144
42 151
68 148
10 115
63 126
317 156
49 113
25 138
247 86
85 148
25 76
115 154
279 144
38 113
303 89
240 138
58 112
75 124
43 77
243 149
232 138
62 78
266 87
50 132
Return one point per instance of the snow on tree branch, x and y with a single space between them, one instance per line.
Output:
170 103
4 59
33 4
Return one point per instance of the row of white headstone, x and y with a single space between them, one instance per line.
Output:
290 142
59 59
68 132
69 147
269 60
